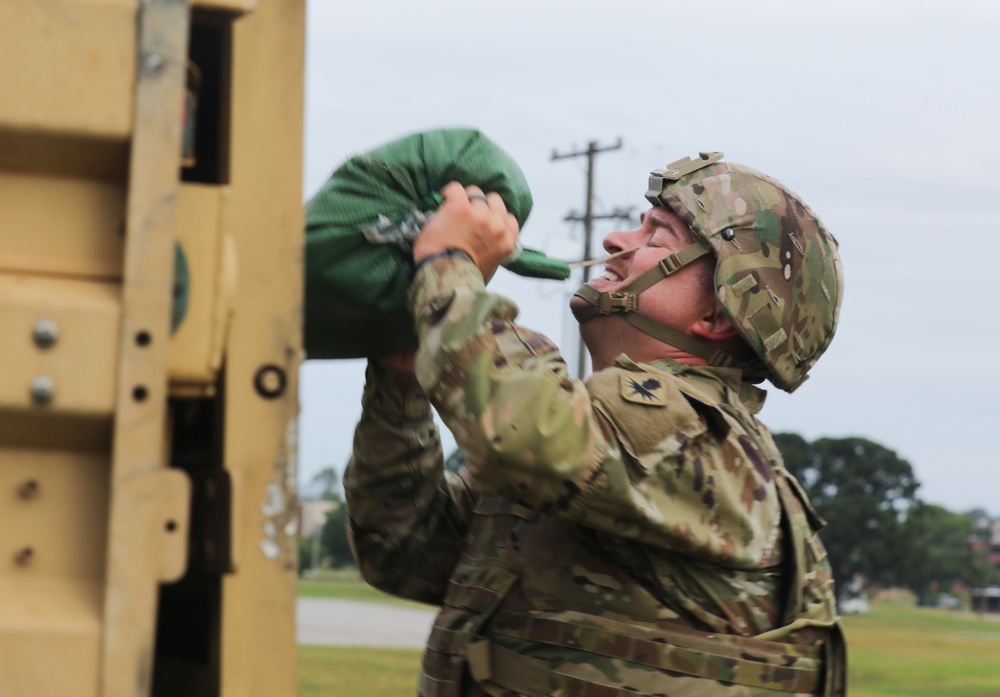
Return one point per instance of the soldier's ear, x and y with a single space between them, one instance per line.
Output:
714 325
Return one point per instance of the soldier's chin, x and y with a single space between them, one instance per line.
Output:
595 334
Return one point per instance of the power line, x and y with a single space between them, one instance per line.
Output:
589 216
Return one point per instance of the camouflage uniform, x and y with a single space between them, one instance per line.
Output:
636 534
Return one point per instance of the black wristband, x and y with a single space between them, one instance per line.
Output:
438 255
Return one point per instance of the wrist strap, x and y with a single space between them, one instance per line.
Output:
450 252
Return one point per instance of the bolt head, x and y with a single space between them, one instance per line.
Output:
43 390
154 63
45 333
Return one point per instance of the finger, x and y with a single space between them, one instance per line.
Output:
497 206
474 193
453 191
513 233
503 224
512 225
405 360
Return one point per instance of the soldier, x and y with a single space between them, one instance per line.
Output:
636 533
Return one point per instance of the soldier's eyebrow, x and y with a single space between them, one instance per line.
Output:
664 222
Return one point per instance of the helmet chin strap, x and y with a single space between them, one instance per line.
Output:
626 302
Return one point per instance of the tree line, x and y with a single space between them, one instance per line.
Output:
878 527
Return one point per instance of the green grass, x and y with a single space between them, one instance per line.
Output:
357 672
915 652
349 671
895 651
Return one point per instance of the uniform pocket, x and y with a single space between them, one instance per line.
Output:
474 593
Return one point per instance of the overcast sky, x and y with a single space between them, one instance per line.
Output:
883 116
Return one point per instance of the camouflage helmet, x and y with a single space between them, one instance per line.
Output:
777 272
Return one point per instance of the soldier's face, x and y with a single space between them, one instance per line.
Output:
677 301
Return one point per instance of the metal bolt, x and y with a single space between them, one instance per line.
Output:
728 233
46 333
24 556
28 490
43 390
153 63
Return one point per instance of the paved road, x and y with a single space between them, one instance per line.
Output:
327 622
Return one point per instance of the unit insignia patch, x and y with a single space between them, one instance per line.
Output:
643 388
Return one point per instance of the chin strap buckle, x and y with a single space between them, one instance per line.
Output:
609 303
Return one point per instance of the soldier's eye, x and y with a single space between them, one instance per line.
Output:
657 240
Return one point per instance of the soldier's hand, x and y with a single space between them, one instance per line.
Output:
405 360
473 222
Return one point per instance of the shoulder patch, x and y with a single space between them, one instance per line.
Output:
643 388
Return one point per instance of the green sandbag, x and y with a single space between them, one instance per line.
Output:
355 287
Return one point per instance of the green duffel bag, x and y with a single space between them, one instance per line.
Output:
360 227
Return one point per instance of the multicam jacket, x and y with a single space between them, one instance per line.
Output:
636 534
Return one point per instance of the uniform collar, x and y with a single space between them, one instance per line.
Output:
716 384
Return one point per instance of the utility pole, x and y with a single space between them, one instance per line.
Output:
589 217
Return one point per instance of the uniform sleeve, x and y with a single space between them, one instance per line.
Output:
407 514
541 439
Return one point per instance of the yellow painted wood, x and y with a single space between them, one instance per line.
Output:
50 639
71 64
69 226
90 205
258 632
56 507
230 5
81 363
196 349
146 497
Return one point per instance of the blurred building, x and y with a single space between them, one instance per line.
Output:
986 599
988 543
312 515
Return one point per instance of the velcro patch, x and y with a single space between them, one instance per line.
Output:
744 284
775 340
643 388
766 321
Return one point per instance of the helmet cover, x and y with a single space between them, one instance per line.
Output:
777 274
